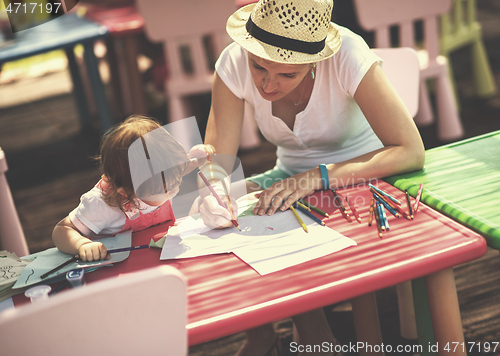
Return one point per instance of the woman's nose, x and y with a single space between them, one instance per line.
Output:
267 84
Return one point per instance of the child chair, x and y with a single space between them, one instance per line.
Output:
141 313
194 34
380 16
11 233
460 28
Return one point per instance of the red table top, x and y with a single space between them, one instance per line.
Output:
226 296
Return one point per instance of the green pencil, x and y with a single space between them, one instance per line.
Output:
316 209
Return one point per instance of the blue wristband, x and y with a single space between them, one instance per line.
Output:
324 176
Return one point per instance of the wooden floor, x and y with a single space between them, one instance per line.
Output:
50 165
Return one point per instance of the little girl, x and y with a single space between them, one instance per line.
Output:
127 197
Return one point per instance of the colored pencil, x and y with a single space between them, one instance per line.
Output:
131 248
384 216
214 193
408 201
303 206
377 220
339 204
62 265
305 211
391 204
417 199
385 193
380 216
353 209
370 218
298 218
386 205
315 208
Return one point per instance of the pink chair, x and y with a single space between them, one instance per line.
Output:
380 16
141 313
401 67
11 233
194 34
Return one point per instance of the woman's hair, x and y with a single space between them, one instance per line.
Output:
116 160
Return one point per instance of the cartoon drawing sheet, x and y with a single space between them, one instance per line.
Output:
11 267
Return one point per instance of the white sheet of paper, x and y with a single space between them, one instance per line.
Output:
51 258
292 246
267 243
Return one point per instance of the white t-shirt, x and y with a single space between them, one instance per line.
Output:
332 127
93 215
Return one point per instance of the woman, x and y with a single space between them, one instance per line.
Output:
316 91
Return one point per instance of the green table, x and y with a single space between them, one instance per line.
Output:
462 180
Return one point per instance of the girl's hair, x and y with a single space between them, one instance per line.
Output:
114 161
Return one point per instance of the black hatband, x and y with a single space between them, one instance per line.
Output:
283 42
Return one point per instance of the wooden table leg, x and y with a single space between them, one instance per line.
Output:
366 323
445 313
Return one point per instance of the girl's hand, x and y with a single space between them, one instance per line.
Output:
93 251
215 216
284 193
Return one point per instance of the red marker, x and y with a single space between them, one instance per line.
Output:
417 200
353 209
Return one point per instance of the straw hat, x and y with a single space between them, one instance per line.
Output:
286 31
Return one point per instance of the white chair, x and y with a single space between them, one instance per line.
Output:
194 34
380 15
141 313
11 233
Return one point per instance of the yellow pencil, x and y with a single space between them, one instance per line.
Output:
298 218
303 206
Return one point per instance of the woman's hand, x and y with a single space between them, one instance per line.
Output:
198 155
201 151
93 251
284 193
214 215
